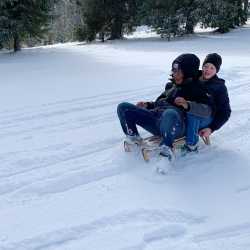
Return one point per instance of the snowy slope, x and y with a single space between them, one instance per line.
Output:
65 182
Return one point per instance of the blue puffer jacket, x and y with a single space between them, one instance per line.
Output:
217 89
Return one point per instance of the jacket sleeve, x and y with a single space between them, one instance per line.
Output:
163 95
152 105
199 109
223 109
203 104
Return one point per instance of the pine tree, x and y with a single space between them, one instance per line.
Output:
245 8
20 19
95 17
164 16
64 22
241 12
223 14
108 18
190 11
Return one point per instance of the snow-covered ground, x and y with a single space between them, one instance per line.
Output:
65 182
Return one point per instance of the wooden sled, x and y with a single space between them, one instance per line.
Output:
149 144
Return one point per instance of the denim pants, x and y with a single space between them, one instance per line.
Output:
193 125
169 124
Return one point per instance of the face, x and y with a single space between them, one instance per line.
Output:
178 76
208 71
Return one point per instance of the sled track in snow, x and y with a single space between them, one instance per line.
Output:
28 167
143 217
31 176
60 167
171 228
23 121
31 164
225 233
30 189
74 105
243 189
45 120
178 237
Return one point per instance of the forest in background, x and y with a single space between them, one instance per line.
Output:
27 23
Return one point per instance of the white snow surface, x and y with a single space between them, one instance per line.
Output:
67 184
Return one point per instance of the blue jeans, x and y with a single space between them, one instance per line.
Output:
168 124
193 125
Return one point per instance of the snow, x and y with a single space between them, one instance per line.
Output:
67 184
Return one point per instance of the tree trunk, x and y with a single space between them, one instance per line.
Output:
116 29
189 29
17 44
102 36
190 22
246 4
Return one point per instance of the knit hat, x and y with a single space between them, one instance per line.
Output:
188 64
214 59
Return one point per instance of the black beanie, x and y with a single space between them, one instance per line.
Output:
188 63
214 59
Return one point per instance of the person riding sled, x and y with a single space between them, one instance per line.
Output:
165 117
216 87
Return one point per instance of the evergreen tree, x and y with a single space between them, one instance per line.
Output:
20 19
28 20
95 19
164 16
241 12
190 11
223 14
246 9
66 18
175 18
108 18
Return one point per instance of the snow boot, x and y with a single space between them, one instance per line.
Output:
132 142
187 149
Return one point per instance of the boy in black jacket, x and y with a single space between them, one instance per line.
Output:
166 116
217 89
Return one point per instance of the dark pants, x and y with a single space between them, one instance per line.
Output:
168 124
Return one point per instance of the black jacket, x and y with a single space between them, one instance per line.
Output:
217 89
200 102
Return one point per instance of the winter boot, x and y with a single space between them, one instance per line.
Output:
132 142
134 139
187 149
167 152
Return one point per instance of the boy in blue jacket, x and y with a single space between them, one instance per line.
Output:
217 89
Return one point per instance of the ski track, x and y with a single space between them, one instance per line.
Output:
176 236
20 170
243 189
91 102
143 217
29 187
52 174
23 176
228 232
46 118
21 166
